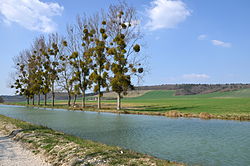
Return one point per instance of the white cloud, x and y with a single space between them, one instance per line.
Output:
195 76
202 37
221 43
31 14
166 14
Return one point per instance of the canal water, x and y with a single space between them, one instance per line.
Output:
191 141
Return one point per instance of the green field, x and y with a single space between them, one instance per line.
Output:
218 103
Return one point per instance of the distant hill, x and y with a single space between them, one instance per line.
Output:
17 98
164 94
172 90
13 99
192 89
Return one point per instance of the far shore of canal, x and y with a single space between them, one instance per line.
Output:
171 113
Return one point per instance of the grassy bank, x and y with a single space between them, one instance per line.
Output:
63 149
232 105
156 110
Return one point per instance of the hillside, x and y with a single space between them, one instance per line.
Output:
187 91
191 89
166 91
161 94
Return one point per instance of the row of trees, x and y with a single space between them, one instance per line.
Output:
99 52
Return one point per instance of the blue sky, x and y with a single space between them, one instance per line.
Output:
188 41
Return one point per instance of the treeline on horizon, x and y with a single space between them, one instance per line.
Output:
99 52
180 89
193 89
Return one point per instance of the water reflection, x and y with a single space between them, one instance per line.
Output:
192 141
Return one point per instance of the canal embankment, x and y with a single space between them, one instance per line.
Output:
170 113
51 147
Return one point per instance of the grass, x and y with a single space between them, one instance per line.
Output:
226 105
217 103
61 148
229 105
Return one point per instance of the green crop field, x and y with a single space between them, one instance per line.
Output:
232 102
218 103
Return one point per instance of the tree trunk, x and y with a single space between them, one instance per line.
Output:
39 99
53 99
83 99
74 103
45 99
28 100
118 101
33 100
99 90
69 99
53 95
99 100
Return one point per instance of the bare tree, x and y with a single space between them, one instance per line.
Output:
38 49
22 82
65 82
56 48
123 29
79 56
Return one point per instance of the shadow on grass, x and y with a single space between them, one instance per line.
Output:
15 132
157 108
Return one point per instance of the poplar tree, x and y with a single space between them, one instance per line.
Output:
79 45
65 82
22 82
34 85
70 81
46 77
39 78
39 48
81 67
101 66
55 52
124 33
97 53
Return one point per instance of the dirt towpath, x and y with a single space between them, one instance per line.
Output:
13 154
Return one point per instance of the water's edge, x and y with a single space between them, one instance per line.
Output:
187 140
169 114
37 146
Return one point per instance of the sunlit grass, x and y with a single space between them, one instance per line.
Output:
218 103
